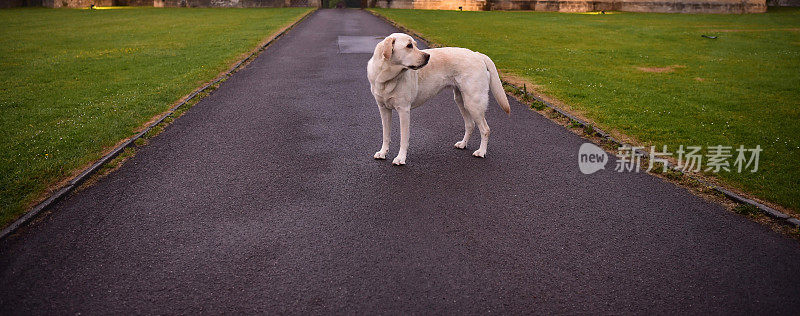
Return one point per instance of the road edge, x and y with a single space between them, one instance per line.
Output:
733 196
76 181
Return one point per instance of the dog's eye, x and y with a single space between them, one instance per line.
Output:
408 46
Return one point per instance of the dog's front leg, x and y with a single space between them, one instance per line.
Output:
386 121
404 112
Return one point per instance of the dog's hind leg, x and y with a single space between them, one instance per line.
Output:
484 128
476 106
469 124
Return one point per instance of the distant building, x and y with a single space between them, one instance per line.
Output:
160 3
667 6
236 3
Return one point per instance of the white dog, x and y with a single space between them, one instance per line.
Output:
403 77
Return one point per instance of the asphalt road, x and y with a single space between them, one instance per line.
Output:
264 198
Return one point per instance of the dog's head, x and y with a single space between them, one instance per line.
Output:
401 49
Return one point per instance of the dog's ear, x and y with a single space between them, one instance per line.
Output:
387 46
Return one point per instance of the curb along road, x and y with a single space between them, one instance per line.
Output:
771 212
92 169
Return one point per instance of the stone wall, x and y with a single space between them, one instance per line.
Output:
236 3
160 3
664 6
77 3
13 3
467 5
783 3
674 6
135 3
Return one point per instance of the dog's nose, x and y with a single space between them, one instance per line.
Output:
427 57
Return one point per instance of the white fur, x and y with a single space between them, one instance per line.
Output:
401 80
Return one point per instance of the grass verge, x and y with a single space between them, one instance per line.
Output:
73 83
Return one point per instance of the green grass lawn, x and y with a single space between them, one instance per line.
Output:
740 89
73 83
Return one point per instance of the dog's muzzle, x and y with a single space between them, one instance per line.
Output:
427 58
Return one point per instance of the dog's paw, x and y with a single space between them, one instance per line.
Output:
380 155
461 145
479 153
398 161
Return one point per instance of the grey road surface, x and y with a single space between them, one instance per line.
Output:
264 198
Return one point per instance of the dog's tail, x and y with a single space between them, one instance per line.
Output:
495 85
